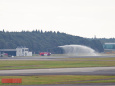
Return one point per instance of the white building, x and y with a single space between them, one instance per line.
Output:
21 51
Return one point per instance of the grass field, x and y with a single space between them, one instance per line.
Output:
61 79
63 63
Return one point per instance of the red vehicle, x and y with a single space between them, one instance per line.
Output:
45 53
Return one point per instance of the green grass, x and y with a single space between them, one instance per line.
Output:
61 79
63 63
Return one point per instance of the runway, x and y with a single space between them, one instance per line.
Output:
100 84
51 57
59 71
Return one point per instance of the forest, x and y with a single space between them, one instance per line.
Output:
48 41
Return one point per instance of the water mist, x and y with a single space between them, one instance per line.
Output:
78 50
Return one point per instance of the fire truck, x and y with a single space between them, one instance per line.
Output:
45 53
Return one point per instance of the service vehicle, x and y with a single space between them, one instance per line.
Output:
45 53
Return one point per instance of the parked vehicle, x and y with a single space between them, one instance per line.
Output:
45 53
4 55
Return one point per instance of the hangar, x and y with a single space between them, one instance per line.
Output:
10 52
19 51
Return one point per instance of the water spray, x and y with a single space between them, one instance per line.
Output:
78 50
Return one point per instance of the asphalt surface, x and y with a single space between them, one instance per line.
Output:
100 84
50 57
61 71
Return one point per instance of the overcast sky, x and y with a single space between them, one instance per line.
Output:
85 18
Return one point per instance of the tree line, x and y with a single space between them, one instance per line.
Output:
48 41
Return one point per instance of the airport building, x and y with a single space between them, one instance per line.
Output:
19 51
109 48
23 52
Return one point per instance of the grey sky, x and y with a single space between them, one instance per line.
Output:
84 18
